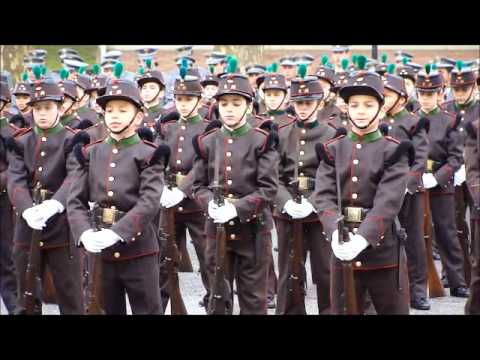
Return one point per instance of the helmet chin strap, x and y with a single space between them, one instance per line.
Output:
394 104
126 127
283 100
470 95
156 96
313 112
193 109
369 123
3 106
239 121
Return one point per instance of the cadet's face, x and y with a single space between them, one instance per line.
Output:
232 108
428 100
80 92
108 72
187 105
252 79
337 57
288 71
45 113
275 99
22 101
445 75
391 100
304 109
325 87
219 68
341 104
362 109
209 91
462 93
67 105
119 113
149 91
410 86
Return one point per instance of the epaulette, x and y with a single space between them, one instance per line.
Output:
150 143
404 147
272 139
383 129
80 138
196 141
214 124
392 139
290 122
84 124
423 123
162 151
68 128
80 152
268 125
22 132
145 134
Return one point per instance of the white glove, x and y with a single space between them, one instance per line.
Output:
429 181
34 218
172 197
87 240
221 214
336 245
460 176
100 240
48 208
298 211
348 250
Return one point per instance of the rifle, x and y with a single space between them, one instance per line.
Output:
350 293
95 300
221 302
172 257
295 289
32 274
435 287
462 229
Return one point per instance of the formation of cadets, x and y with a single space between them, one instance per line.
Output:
369 168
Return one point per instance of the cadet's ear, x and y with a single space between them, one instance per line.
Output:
139 117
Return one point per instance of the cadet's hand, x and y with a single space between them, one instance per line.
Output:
103 239
87 240
172 197
48 208
460 176
350 250
429 181
34 218
222 214
336 245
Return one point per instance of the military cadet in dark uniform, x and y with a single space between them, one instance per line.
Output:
403 126
98 84
472 154
41 157
178 135
288 68
69 116
123 176
326 76
444 159
371 170
8 286
248 175
83 109
339 52
22 92
209 109
409 74
276 99
341 79
297 148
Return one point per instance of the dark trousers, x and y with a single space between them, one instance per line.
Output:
195 223
410 218
272 279
320 253
473 303
137 278
8 285
66 274
248 269
442 208
382 286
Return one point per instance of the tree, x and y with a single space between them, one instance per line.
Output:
11 59
246 54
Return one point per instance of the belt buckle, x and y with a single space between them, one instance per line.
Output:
231 200
430 165
353 214
179 178
43 194
303 183
108 216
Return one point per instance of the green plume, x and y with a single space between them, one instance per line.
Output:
183 72
459 65
118 70
384 58
274 67
64 74
405 60
302 70
82 69
44 69
37 71
184 63
212 69
354 59
232 65
96 69
141 70
434 66
428 68
361 62
24 76
148 63
324 60
345 64
391 69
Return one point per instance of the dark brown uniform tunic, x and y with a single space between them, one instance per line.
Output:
249 176
121 175
44 157
373 171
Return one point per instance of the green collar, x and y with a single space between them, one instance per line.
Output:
52 131
400 114
191 120
3 122
275 112
310 125
464 106
67 119
237 132
155 108
83 109
132 140
370 137
433 112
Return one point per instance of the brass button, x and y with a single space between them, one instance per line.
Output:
232 236
354 196
110 193
229 154
116 255
113 207
183 127
139 233
302 142
133 239
115 151
302 174
179 161
40 169
111 178
392 121
304 131
302 153
358 263
272 117
44 138
229 168
229 182
354 179
180 149
359 146
181 138
300 163
230 195
41 243
180 208
230 141
355 230
355 161
42 153
112 165
231 223
390 128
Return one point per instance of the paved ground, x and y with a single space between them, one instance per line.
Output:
192 292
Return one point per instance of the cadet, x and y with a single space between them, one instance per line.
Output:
403 126
248 176
69 104
329 112
275 93
178 135
123 176
297 151
409 74
444 159
209 109
371 169
41 158
339 52
22 92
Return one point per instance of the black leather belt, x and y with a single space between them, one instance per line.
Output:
354 214
106 217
